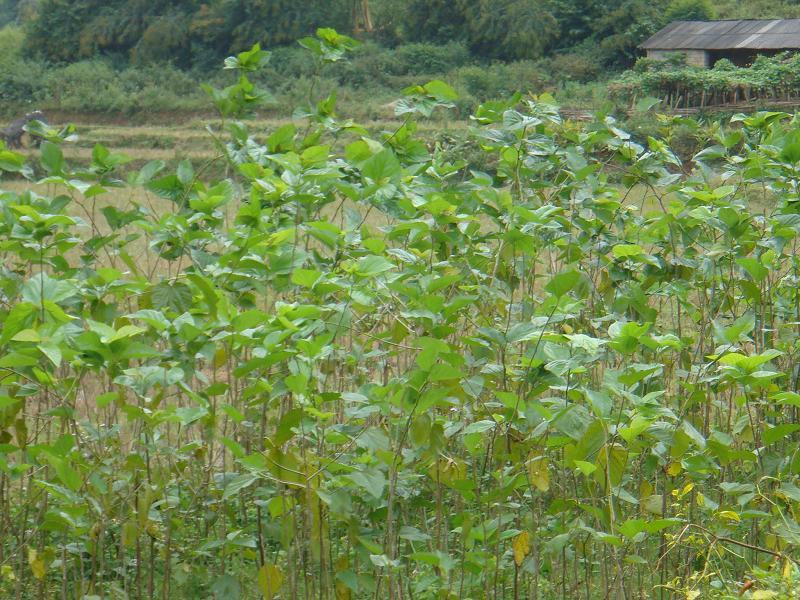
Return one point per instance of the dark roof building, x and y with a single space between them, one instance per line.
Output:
705 42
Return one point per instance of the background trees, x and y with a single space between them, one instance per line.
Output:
196 32
689 10
179 31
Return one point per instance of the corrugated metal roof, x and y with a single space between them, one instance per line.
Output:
772 34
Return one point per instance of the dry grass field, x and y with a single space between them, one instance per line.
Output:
190 139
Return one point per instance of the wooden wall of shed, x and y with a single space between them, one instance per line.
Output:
698 58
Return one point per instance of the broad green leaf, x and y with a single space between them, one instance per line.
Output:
778 432
371 480
440 90
611 462
480 426
562 283
627 250
190 414
381 166
239 483
173 296
369 266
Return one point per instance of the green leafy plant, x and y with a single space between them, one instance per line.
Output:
768 79
355 367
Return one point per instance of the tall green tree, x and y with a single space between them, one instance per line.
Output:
509 29
623 26
689 10
179 31
439 21
9 11
66 30
279 22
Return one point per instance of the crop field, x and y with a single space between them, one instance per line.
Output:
190 139
312 359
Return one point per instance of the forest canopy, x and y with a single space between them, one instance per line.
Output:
193 33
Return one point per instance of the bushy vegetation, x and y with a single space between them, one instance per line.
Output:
689 10
594 35
356 368
365 84
681 85
192 33
91 86
198 33
482 49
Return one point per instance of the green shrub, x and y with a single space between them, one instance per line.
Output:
419 317
12 39
432 58
91 85
723 64
499 80
768 79
95 86
287 61
644 64
165 77
589 96
373 65
370 65
20 78
574 66
21 82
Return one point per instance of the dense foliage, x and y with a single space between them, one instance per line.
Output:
192 33
365 84
355 368
680 85
564 47
180 31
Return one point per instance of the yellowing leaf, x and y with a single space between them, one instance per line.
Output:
679 494
220 357
522 547
270 579
673 469
729 514
764 595
36 563
448 471
539 473
342 591
788 570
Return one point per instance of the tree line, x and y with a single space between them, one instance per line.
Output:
191 33
196 33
